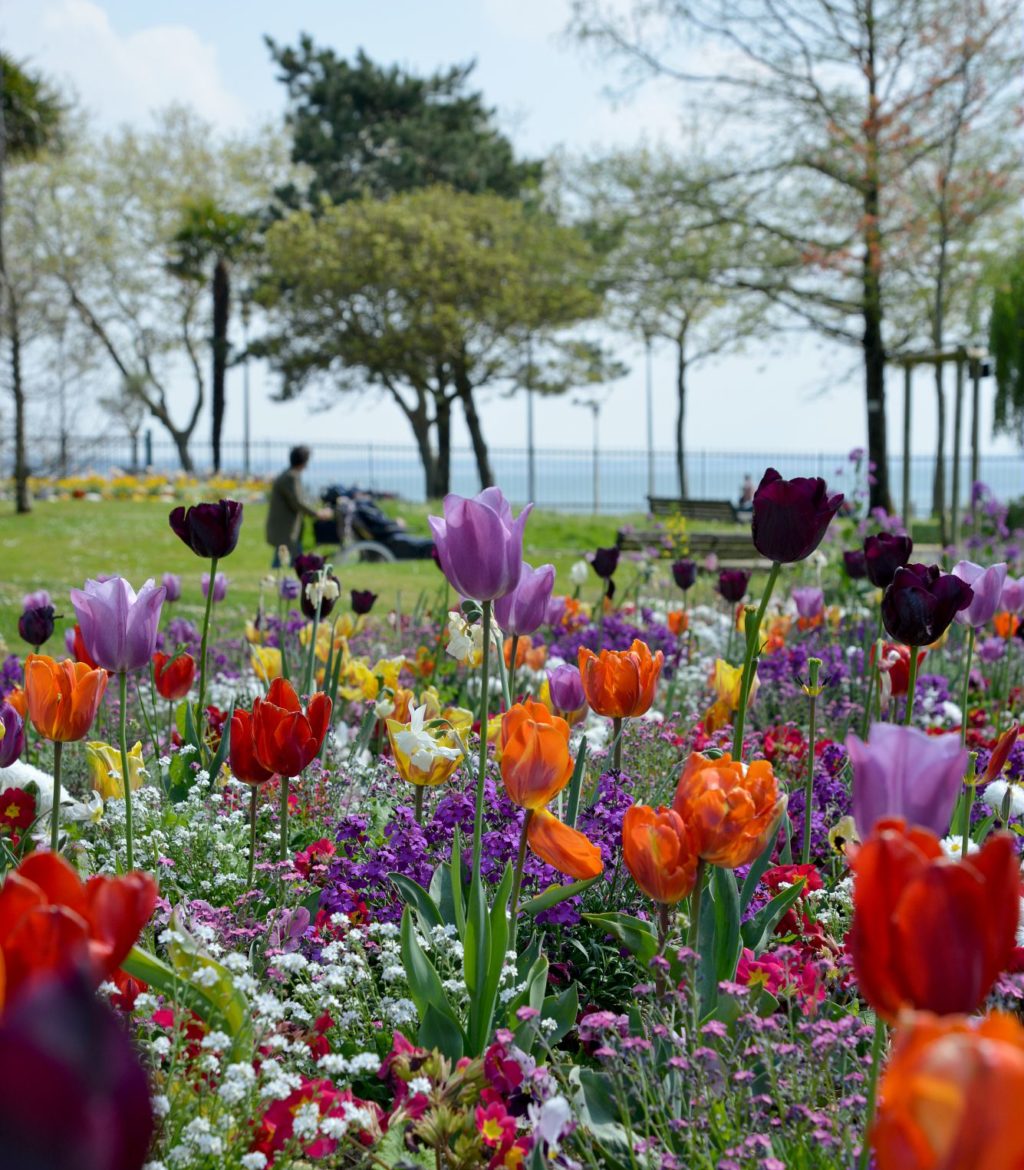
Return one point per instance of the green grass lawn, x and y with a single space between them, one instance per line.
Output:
61 543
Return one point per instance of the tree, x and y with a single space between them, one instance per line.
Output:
212 236
832 104
368 130
1006 342
128 407
668 266
31 118
428 296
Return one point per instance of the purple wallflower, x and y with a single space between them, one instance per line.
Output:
791 516
479 546
902 772
987 585
290 588
524 609
119 628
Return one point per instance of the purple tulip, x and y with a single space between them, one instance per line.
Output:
990 650
172 586
523 610
566 688
36 624
883 555
919 605
479 546
1012 598
732 584
59 1040
14 735
289 588
362 601
36 600
69 642
604 562
209 530
555 611
220 586
307 563
902 772
988 589
119 628
855 564
684 573
809 600
791 516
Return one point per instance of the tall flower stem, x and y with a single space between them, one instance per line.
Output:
967 682
202 653
517 877
813 690
311 660
284 818
58 751
418 804
478 814
126 780
753 633
693 936
512 668
908 717
965 840
873 669
877 1049
253 798
617 745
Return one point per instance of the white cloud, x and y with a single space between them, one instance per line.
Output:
120 77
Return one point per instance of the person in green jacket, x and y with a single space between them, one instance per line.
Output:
289 507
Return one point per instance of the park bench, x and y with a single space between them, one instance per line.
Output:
715 511
731 548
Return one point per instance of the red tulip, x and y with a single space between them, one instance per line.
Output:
173 676
242 751
929 932
287 739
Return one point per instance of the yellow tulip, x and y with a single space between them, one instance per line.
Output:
726 685
266 662
253 634
387 671
424 756
460 719
105 768
358 681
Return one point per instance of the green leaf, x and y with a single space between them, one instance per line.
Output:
223 747
563 1008
554 894
754 875
637 936
575 784
425 986
440 1031
415 896
442 894
758 929
728 941
458 897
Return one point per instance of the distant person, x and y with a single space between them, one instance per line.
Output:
289 507
746 503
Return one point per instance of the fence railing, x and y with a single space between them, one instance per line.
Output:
565 479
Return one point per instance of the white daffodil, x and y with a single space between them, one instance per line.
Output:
416 742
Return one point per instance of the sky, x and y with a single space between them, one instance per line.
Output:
124 58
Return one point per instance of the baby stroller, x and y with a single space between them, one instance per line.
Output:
364 532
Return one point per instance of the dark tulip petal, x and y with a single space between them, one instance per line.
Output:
605 561
883 555
684 573
791 516
854 562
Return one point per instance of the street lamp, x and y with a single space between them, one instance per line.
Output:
246 309
648 343
594 406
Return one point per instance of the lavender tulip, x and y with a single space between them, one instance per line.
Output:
902 772
988 588
172 586
566 688
119 628
555 611
479 546
523 610
809 600
290 588
13 741
1012 597
220 586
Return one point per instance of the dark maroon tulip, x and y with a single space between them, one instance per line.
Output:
854 562
684 573
36 624
919 605
13 742
307 563
732 584
604 562
791 516
362 601
209 530
331 593
883 555
61 1045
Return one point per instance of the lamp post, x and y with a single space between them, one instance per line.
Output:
594 406
531 479
650 416
245 386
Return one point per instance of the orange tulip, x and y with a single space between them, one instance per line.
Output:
950 1094
567 850
620 683
535 760
1006 624
678 621
18 700
63 697
734 809
660 851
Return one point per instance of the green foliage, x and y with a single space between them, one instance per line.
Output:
32 111
1006 342
367 129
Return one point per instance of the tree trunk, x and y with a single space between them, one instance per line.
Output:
221 309
181 439
443 464
681 415
939 476
22 502
476 434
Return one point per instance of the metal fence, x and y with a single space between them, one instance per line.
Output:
566 479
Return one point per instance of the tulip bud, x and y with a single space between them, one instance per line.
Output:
209 530
172 586
36 624
362 601
684 573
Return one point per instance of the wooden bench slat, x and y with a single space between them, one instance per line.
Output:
720 510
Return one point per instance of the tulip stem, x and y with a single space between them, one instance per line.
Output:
693 936
971 783
617 745
517 878
126 780
805 852
202 657
284 818
873 671
253 797
478 813
877 1048
908 717
753 634
967 683
512 669
418 804
58 749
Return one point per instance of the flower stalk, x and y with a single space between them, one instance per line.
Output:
752 628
